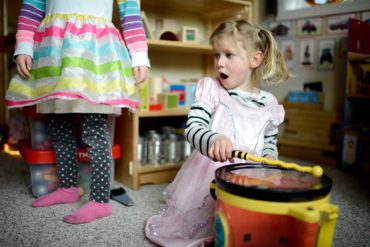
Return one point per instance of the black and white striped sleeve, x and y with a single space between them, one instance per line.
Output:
197 131
270 143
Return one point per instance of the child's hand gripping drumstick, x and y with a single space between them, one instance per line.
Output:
316 171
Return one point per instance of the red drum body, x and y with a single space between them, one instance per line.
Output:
259 205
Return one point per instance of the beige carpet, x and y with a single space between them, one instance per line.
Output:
22 225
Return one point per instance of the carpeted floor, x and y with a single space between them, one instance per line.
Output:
22 225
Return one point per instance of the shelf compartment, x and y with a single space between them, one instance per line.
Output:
128 127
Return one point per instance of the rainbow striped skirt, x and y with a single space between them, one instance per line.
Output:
77 57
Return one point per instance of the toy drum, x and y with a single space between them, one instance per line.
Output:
259 205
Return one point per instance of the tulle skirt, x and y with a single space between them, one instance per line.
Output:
187 217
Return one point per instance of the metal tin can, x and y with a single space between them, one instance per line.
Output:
153 147
141 151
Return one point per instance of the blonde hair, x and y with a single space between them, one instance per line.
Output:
255 38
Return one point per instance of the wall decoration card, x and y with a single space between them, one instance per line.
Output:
338 24
310 27
288 49
307 53
281 29
326 54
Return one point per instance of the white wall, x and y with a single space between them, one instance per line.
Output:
333 81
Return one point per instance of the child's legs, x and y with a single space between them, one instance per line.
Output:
63 138
62 133
95 134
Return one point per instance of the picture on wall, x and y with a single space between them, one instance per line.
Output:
287 48
326 54
309 27
306 53
281 29
338 24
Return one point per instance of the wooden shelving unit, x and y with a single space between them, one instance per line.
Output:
310 134
178 46
127 169
130 125
356 121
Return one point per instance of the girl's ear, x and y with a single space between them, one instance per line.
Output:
256 59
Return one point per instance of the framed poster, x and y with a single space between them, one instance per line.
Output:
281 29
309 27
287 48
307 53
326 54
338 24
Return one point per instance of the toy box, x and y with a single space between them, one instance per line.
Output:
37 131
42 172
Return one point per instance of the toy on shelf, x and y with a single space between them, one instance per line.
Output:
169 100
166 29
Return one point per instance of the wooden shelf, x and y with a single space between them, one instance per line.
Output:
358 97
148 168
178 46
353 56
205 8
166 113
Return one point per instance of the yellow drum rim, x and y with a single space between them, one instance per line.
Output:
311 213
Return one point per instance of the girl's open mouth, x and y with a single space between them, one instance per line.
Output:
223 76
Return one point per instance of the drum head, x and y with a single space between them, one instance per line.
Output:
269 183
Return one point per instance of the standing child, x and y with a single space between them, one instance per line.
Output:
229 113
71 59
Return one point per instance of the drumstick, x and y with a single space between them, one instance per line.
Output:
316 171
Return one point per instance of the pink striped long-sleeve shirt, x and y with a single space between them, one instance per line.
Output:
33 12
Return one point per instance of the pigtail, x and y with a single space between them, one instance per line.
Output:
274 63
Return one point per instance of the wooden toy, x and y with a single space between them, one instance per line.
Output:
144 92
169 100
181 90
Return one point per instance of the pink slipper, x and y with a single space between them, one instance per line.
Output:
60 196
89 212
